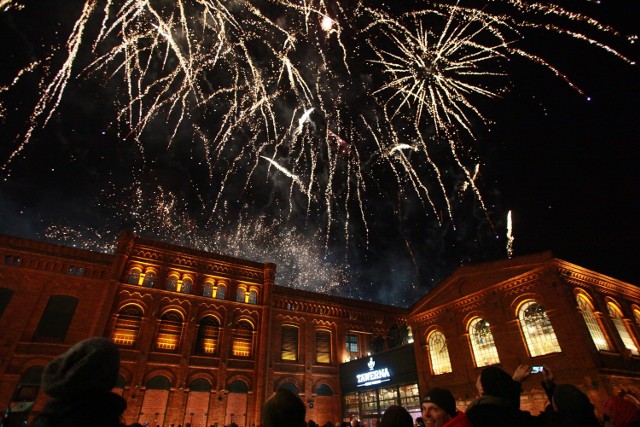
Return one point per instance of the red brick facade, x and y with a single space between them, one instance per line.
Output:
193 356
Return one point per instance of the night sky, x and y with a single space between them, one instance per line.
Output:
562 162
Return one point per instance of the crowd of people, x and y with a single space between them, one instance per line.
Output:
79 384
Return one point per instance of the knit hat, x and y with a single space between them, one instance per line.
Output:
443 398
396 416
91 366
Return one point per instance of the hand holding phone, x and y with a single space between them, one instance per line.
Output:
537 369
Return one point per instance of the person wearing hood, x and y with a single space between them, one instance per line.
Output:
79 383
499 401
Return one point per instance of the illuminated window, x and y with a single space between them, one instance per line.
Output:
221 291
323 346
134 277
127 325
243 339
240 294
253 296
172 283
208 333
186 286
621 327
439 353
537 330
636 315
207 290
482 343
169 331
352 343
149 278
289 345
592 324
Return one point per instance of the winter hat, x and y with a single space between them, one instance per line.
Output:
396 416
443 398
91 366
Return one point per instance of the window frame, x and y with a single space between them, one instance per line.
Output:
441 364
539 335
488 352
289 343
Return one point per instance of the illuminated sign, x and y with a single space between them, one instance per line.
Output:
374 376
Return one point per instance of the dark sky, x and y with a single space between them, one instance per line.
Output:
563 165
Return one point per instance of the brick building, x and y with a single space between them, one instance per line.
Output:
206 338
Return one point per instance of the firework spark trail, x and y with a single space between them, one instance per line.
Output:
509 235
282 169
52 94
245 79
471 181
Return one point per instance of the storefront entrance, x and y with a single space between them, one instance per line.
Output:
370 385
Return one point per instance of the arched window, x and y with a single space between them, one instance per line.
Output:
207 289
592 323
149 278
221 292
439 353
240 294
169 331
621 327
324 390
186 285
243 339
484 348
172 283
159 383
208 333
537 330
238 387
253 296
127 326
200 384
134 276
289 386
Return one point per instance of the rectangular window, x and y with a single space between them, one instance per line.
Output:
323 347
352 343
57 317
5 297
289 349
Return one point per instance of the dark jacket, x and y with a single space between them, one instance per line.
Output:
492 411
574 408
98 410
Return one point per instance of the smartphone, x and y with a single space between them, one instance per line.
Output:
536 369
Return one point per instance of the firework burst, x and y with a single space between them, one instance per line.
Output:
318 102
